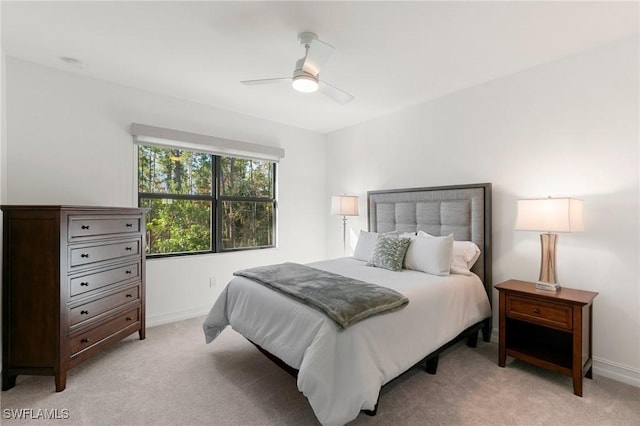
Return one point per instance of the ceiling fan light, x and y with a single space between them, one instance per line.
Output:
304 84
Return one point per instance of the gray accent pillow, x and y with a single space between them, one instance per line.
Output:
389 252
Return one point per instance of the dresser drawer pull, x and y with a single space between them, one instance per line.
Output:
129 319
536 311
85 255
85 226
129 295
84 312
128 248
127 272
129 225
84 284
84 340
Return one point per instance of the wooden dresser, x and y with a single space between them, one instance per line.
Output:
73 284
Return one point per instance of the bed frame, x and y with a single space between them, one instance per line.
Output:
461 210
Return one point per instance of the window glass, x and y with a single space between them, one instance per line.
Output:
247 224
177 226
187 215
246 178
174 171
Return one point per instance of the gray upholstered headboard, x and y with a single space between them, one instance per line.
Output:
461 210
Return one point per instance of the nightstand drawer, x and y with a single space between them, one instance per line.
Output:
531 310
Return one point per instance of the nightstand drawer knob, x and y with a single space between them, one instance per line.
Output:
85 255
536 311
84 284
84 312
85 227
84 340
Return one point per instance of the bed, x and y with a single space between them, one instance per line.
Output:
341 371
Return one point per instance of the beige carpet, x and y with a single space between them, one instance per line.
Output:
173 378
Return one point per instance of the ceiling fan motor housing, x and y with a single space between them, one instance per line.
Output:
302 80
298 71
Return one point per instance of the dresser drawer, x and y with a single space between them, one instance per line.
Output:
535 311
89 282
89 338
89 254
92 309
88 226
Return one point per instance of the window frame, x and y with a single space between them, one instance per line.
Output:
216 198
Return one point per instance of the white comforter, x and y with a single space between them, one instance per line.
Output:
341 372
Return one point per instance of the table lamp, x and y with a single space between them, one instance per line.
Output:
549 215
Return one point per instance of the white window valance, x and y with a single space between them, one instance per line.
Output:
144 134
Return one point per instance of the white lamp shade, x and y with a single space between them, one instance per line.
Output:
550 215
344 205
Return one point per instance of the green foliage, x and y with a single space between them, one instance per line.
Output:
177 226
182 219
247 224
246 178
174 171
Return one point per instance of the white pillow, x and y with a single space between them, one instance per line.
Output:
365 245
463 256
430 254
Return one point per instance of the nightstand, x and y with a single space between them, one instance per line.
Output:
547 329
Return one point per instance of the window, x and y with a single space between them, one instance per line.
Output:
203 203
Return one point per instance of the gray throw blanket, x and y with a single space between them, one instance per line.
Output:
344 300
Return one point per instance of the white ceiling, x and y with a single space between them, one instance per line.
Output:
389 55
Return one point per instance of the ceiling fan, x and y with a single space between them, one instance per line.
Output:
306 75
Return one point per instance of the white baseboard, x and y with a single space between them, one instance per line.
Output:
153 321
616 371
602 367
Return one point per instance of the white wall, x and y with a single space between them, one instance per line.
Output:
568 128
68 143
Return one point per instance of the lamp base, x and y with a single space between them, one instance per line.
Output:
548 259
541 285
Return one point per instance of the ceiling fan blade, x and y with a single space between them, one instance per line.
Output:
267 81
318 54
334 93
